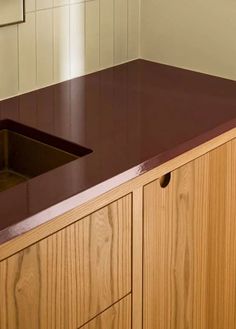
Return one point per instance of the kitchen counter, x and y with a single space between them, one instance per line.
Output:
134 117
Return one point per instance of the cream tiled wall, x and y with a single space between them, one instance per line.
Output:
63 39
193 34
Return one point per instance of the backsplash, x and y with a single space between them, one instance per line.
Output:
63 39
196 35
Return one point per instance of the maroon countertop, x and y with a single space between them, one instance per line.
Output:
134 117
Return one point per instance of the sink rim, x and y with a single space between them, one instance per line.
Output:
44 137
27 153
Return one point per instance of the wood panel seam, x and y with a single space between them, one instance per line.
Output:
107 308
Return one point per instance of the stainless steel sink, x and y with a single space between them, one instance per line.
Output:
27 152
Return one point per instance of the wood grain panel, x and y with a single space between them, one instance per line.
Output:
94 202
137 259
190 245
68 278
116 317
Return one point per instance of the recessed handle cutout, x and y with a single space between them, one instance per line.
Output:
165 180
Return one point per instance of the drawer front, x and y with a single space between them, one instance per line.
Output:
117 316
68 278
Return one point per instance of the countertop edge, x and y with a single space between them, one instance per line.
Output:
88 195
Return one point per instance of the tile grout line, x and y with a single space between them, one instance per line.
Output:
114 44
99 34
139 27
53 45
85 39
36 51
18 60
127 40
70 45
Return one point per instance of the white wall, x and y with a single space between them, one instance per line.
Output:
63 39
195 34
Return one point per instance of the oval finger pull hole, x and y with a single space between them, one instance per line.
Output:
165 180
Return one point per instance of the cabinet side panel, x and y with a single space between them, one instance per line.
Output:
116 317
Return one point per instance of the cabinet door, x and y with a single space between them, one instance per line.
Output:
190 245
68 278
118 316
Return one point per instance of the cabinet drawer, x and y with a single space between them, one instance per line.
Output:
68 278
117 316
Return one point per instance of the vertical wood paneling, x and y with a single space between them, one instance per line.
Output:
30 5
133 28
27 54
64 39
8 61
77 40
106 33
44 28
61 43
92 44
120 31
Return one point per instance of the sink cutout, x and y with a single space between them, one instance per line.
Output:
26 152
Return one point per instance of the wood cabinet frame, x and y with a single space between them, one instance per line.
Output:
135 187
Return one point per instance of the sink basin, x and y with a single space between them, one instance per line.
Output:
26 152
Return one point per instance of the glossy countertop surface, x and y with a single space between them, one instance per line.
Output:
134 117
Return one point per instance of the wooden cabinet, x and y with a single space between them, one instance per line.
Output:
118 316
76 273
66 279
190 245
